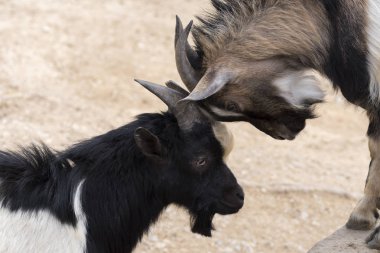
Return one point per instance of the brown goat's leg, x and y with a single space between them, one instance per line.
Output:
373 241
365 213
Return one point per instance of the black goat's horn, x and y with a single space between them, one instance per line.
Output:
187 59
187 113
169 96
173 85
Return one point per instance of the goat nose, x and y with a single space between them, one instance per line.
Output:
240 193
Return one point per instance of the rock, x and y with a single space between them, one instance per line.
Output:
344 241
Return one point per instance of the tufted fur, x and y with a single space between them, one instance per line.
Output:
250 29
264 45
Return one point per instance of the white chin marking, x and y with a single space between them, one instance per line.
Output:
373 33
41 232
225 138
298 87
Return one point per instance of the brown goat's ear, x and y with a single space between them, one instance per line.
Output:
148 143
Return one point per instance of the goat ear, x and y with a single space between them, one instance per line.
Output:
148 143
299 89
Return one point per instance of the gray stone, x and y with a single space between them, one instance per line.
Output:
344 241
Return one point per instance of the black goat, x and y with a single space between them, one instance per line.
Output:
102 194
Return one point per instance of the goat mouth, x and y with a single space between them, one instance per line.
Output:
225 208
278 133
201 223
277 137
284 135
288 137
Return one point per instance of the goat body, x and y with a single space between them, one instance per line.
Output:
100 195
254 61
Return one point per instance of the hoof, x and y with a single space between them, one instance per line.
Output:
373 241
362 222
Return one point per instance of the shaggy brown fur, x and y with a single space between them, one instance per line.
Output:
254 54
249 29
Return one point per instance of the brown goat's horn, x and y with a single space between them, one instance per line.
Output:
185 56
191 54
211 83
186 112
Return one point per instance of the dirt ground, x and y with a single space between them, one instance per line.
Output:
66 74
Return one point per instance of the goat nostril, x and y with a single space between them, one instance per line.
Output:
240 195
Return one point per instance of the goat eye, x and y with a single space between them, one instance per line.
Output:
201 162
232 107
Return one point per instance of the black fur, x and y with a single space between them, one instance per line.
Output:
35 179
124 191
347 65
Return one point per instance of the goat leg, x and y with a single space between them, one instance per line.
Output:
365 213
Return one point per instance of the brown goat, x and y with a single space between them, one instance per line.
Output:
251 60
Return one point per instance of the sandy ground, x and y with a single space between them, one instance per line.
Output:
66 71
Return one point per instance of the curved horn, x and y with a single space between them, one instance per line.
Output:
185 56
169 96
173 85
186 112
194 58
192 55
211 83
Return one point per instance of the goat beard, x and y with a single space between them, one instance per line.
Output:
201 223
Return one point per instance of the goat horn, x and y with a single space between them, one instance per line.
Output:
186 112
211 83
173 85
169 96
185 56
191 54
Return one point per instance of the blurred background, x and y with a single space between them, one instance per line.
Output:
66 74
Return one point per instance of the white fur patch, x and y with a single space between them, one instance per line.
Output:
225 137
41 232
298 87
373 33
224 113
